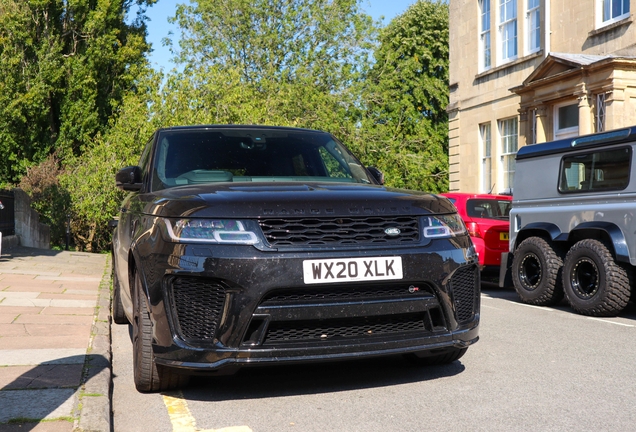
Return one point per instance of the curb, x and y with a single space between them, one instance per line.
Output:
95 393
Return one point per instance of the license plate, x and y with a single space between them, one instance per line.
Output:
352 269
503 236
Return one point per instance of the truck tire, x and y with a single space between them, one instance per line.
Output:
536 272
148 376
594 283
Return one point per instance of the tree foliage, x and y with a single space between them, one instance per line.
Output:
383 93
405 122
64 67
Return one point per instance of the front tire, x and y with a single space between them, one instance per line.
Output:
536 272
149 376
594 284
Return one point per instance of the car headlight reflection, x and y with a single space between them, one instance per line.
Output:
226 231
443 226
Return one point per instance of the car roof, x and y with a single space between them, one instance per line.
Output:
236 126
467 195
598 139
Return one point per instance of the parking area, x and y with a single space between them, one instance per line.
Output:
534 368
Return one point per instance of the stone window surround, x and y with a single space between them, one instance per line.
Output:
612 26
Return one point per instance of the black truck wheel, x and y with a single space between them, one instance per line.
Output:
594 283
149 376
536 272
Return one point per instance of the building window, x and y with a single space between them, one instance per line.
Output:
509 146
484 35
533 25
486 160
508 29
600 112
610 11
566 120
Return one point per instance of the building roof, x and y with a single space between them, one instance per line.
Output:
579 59
556 65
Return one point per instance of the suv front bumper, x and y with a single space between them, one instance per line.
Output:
222 307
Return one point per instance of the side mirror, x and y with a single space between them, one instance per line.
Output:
129 178
377 174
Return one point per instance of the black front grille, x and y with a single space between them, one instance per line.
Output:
198 305
346 312
346 293
340 230
465 288
345 328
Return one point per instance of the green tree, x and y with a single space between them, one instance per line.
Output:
288 62
89 179
64 68
405 125
258 62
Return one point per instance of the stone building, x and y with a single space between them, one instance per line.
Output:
530 71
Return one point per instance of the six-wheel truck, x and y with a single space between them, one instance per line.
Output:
573 223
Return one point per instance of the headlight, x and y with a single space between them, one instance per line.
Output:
443 226
224 231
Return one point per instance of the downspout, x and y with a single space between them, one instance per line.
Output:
548 30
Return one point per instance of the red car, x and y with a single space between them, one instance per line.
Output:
487 219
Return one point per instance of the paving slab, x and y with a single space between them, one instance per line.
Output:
49 426
36 404
92 293
18 294
12 330
52 288
66 296
42 356
41 376
53 330
12 342
67 311
45 275
6 310
26 301
54 341
75 279
85 320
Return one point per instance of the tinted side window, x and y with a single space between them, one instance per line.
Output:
144 161
488 208
600 170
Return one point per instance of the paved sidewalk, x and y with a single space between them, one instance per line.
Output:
54 341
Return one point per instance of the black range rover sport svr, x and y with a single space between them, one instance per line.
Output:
251 245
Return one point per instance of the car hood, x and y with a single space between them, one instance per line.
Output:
243 200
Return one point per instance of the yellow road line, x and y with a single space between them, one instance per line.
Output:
182 419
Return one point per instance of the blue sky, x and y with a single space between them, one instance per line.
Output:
159 28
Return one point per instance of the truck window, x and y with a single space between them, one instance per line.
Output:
600 170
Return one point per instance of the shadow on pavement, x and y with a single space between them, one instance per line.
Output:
24 252
47 391
509 293
294 380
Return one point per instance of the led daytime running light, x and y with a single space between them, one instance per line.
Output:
209 231
443 226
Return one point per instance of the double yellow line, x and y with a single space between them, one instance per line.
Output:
182 419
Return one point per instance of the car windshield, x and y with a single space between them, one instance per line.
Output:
488 208
197 156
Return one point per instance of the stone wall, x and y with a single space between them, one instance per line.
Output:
28 228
